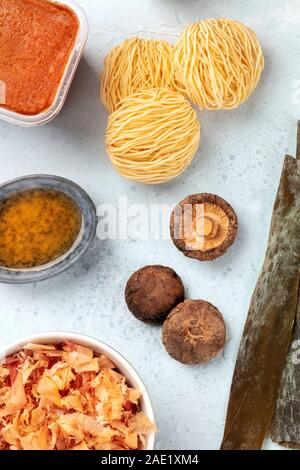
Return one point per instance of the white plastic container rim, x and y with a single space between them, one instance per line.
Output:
70 69
57 337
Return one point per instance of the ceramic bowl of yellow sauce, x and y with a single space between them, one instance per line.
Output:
46 224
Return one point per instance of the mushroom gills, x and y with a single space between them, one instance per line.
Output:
207 228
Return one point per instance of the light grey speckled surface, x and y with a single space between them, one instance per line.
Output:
240 159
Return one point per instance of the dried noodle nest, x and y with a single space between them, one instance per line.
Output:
136 64
152 136
219 62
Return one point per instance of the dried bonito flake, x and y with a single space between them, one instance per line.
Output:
67 398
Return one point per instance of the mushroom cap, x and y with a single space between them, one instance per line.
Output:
194 332
152 292
203 226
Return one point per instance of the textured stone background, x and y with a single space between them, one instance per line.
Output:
240 159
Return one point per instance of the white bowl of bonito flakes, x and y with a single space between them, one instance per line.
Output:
67 391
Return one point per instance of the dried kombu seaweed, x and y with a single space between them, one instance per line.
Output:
267 334
286 421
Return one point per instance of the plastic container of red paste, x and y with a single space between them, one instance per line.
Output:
45 94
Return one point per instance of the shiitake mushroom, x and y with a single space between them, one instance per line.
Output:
194 332
203 226
152 292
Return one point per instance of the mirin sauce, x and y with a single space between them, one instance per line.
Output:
37 226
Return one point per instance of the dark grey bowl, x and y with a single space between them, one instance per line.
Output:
83 242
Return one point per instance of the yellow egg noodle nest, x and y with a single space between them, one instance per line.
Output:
66 398
219 62
136 64
152 136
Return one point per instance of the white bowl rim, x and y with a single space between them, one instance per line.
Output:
55 337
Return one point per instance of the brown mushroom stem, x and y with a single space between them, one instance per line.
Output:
211 227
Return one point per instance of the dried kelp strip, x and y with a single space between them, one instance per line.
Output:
286 420
267 334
